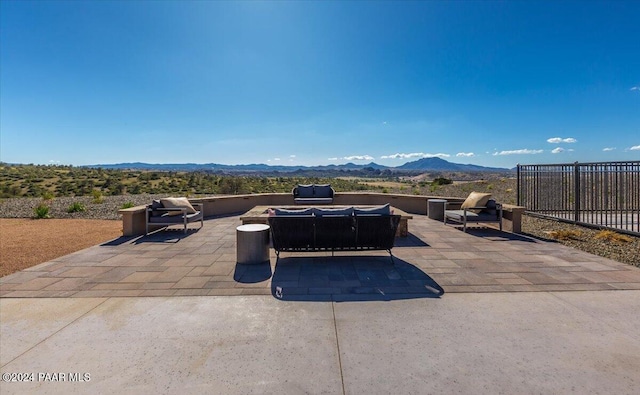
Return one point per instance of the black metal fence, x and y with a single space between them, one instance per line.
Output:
603 194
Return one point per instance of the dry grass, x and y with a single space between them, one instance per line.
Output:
28 242
613 237
565 234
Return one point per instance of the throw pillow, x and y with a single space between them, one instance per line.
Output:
476 199
181 202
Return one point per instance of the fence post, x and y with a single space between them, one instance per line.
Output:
518 184
576 183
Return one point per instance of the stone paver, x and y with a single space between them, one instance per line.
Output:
433 260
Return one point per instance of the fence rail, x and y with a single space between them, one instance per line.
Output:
600 194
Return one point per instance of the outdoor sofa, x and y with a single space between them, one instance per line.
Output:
313 194
173 211
477 208
349 229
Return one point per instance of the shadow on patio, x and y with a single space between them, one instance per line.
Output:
350 278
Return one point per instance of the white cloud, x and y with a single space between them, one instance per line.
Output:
608 149
332 159
465 154
292 156
557 150
414 155
635 148
635 88
358 157
276 158
558 140
519 152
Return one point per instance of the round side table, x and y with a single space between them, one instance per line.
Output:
252 243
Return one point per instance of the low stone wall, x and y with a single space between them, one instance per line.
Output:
133 220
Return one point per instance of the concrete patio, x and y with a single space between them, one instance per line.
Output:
433 260
484 312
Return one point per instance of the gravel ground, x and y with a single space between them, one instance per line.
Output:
585 240
108 209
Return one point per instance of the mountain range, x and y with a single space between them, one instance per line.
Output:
424 164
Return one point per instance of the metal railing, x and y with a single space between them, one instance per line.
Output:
601 194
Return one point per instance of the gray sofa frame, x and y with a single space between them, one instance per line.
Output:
155 217
293 233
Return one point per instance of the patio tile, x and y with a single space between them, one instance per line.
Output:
434 256
192 282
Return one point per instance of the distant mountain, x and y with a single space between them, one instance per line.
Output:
438 164
424 164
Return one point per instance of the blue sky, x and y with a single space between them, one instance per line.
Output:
309 83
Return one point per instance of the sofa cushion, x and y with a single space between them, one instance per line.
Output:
305 191
181 202
491 207
322 191
319 212
382 210
155 205
282 211
476 199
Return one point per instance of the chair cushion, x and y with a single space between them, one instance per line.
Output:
319 212
382 210
305 191
458 216
322 191
181 202
175 219
155 205
282 211
476 199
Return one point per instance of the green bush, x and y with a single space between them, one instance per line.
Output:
42 211
441 181
127 205
76 207
97 196
47 195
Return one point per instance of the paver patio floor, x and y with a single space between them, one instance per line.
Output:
433 260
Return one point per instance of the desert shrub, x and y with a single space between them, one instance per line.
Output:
127 205
76 207
47 195
97 196
385 190
613 237
565 234
42 211
441 181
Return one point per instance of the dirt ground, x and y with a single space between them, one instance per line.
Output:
28 242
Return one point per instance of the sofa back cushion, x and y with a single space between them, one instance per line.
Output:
282 212
382 210
319 212
305 191
322 191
